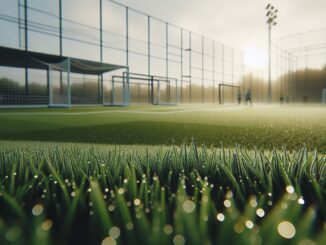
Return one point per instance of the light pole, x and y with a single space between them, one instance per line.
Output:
271 21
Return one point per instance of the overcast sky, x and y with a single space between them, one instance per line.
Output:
237 23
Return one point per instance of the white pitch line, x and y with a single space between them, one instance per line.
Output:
120 112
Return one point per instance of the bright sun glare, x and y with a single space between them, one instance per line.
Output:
255 57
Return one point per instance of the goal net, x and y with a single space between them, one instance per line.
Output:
229 94
133 88
59 84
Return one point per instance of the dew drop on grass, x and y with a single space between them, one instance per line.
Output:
301 200
253 202
284 205
290 189
249 224
168 229
46 225
286 229
13 233
306 242
204 199
220 217
136 202
260 212
188 206
238 228
227 203
108 241
179 240
129 226
114 232
37 210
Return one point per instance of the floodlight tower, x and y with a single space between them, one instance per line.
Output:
271 12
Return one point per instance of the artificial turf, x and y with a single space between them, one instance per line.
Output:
263 127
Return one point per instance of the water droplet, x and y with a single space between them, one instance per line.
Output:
249 224
227 203
46 225
37 209
136 202
168 229
220 217
108 241
188 206
301 200
290 189
286 229
114 232
129 226
179 240
260 212
238 228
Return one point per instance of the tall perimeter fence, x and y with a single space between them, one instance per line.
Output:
187 67
299 65
110 32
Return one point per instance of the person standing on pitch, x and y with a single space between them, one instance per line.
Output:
239 97
248 97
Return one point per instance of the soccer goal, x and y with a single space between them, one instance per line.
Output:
228 93
59 84
135 88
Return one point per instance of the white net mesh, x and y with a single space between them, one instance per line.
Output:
59 84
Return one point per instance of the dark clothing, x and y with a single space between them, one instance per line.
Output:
248 97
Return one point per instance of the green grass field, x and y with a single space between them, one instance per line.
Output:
163 175
262 127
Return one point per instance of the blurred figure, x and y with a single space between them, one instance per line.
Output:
248 97
286 99
239 97
281 99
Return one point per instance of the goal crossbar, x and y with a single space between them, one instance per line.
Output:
220 90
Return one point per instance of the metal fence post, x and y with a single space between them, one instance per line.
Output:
181 68
26 45
202 70
149 52
190 80
213 71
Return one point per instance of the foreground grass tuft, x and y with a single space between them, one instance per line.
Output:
189 195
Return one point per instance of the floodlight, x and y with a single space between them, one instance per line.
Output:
271 17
